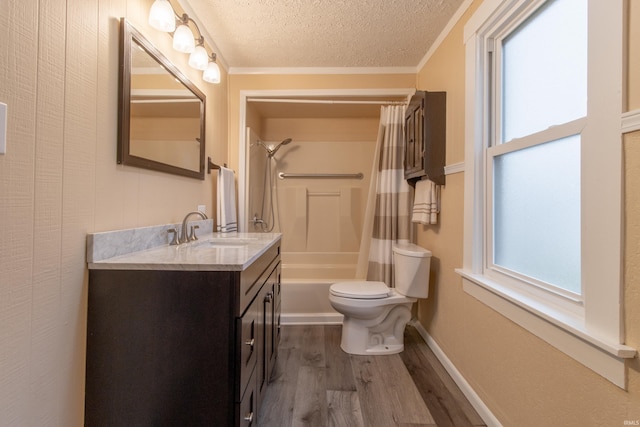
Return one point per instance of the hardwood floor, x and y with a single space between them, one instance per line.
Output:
316 384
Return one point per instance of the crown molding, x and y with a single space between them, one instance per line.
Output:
445 32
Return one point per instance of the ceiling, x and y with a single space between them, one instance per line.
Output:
321 33
254 36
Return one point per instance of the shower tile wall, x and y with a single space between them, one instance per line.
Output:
325 220
322 216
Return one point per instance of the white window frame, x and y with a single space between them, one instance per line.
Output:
588 328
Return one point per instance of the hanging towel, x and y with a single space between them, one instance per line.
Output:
227 220
425 205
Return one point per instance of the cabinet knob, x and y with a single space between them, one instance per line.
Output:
250 342
268 297
249 417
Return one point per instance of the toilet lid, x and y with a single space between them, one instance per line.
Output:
360 290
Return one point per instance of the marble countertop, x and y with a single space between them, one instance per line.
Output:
211 252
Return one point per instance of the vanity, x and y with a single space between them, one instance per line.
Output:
181 335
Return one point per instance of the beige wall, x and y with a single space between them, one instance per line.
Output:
523 380
59 180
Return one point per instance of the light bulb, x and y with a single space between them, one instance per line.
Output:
212 73
161 16
183 40
199 58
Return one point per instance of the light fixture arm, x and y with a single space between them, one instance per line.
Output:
185 19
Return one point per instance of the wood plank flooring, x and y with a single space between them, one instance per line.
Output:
316 384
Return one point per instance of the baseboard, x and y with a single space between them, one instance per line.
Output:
311 319
477 403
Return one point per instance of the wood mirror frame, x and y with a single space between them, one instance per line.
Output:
161 126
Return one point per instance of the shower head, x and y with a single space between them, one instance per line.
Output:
272 151
277 147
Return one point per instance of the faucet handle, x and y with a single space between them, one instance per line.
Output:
192 234
174 240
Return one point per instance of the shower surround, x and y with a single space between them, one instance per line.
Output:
321 218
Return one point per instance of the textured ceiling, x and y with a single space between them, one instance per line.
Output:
322 33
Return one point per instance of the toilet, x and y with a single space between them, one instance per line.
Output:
374 314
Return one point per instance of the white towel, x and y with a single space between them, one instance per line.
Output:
227 220
425 204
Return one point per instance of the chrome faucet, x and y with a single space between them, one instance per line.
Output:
185 236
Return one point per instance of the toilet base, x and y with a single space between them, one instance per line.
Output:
385 335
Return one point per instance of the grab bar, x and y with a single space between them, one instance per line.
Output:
283 175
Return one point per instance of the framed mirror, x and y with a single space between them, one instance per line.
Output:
161 118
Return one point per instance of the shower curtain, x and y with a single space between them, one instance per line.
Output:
388 210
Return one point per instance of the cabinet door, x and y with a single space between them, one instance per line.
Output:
276 317
410 140
265 335
273 321
414 138
248 328
268 331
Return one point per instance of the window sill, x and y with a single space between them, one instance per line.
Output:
567 334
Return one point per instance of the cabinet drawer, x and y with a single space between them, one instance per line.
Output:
246 410
248 343
254 277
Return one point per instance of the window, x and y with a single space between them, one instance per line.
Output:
543 172
539 67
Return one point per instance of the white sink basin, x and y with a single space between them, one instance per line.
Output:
226 242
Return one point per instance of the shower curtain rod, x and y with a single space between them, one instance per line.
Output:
324 101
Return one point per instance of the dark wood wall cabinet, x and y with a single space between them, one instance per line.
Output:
181 347
425 136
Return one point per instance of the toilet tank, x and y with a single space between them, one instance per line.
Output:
412 264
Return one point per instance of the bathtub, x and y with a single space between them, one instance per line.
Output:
306 278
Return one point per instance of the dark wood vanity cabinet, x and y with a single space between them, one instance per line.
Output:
263 345
181 347
425 136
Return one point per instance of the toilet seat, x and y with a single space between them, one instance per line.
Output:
360 290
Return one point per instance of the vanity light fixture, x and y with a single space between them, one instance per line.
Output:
212 73
199 57
183 40
163 17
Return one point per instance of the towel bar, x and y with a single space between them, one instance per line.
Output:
212 165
